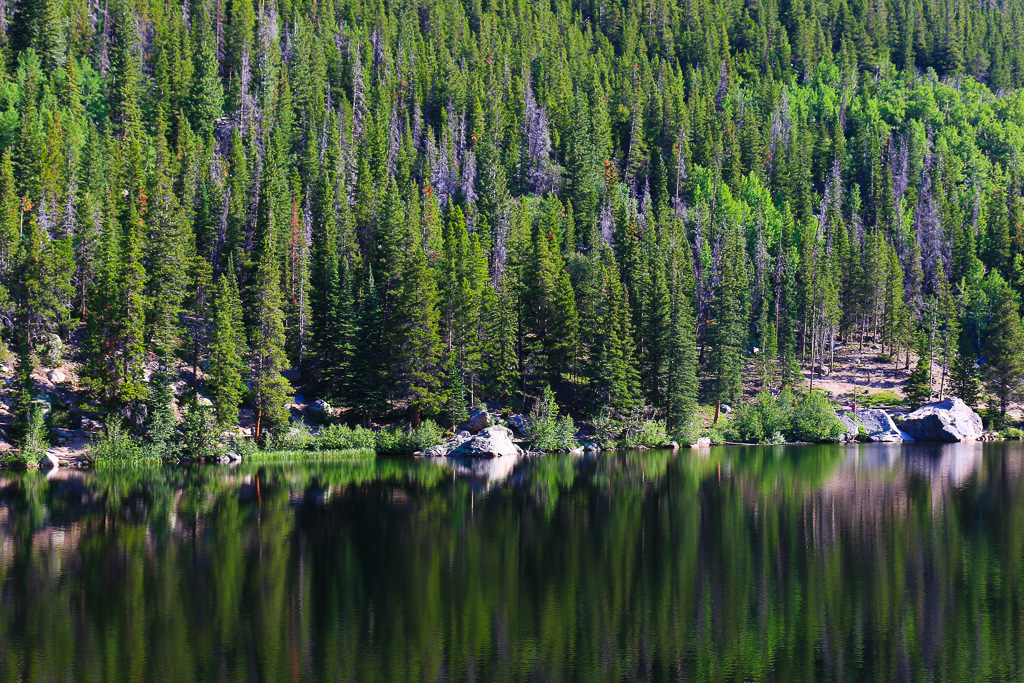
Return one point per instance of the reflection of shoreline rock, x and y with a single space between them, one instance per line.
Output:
946 465
488 470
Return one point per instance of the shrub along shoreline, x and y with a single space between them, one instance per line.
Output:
785 419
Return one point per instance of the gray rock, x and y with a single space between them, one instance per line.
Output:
874 421
135 414
478 419
726 409
462 434
674 445
447 447
518 424
49 461
492 442
702 442
823 370
320 410
949 421
590 447
56 376
852 428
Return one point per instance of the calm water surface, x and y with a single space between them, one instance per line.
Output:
789 563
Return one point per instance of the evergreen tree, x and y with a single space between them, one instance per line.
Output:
227 369
267 357
918 389
1004 357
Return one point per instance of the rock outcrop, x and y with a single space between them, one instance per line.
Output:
492 442
478 419
949 421
851 426
879 426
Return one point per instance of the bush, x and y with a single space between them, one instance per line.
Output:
546 431
34 443
1013 433
428 434
606 430
296 437
649 433
815 420
119 447
340 437
199 436
244 446
765 420
405 440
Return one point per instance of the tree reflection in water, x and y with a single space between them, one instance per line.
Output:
885 562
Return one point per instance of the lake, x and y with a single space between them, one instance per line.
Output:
781 563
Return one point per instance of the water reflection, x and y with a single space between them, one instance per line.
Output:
875 561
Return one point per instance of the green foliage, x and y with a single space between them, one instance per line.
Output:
340 437
118 447
34 442
764 420
623 221
629 429
918 388
886 397
647 433
775 420
199 437
815 420
409 440
546 431
400 440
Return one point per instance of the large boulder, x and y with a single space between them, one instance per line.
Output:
478 419
492 442
879 426
443 449
851 427
56 376
949 421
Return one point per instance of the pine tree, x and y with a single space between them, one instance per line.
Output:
1004 358
963 379
918 388
729 332
227 369
682 390
267 339
454 393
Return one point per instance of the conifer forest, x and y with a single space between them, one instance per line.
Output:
410 207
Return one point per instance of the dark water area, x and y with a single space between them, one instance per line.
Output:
780 563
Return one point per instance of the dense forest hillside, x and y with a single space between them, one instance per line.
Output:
421 204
